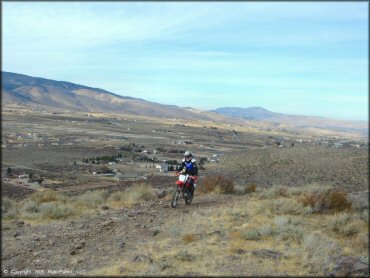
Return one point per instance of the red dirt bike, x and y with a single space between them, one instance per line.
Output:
183 189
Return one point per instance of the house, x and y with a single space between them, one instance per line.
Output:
163 168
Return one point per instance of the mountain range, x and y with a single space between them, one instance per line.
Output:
298 121
27 90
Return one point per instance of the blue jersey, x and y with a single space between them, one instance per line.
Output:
190 166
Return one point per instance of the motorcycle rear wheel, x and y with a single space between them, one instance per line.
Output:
175 198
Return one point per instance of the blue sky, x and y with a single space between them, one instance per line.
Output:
303 58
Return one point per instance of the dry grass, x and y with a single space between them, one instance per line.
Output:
131 196
320 252
346 224
249 188
275 192
187 238
229 234
92 198
332 200
8 208
45 196
54 210
47 205
218 184
220 239
6 204
287 206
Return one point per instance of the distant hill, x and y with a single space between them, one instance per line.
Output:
251 113
27 90
61 95
296 121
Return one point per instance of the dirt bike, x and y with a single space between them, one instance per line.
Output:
183 190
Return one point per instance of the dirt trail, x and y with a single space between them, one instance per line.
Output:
94 241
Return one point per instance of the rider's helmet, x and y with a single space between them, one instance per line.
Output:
188 155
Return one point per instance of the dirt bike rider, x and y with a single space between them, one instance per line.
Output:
189 166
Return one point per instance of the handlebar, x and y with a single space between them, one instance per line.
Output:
192 177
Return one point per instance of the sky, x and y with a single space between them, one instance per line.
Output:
300 58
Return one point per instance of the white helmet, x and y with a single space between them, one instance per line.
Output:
188 155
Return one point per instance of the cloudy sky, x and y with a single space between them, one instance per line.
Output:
306 58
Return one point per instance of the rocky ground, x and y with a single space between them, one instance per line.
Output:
84 244
151 238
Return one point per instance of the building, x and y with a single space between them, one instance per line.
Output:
163 168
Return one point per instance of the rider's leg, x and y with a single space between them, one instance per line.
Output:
192 188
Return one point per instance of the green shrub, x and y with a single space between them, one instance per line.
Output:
345 224
295 191
184 255
274 192
281 221
30 206
351 229
6 226
175 230
320 252
239 190
365 215
359 202
288 229
7 204
53 210
284 206
238 215
290 232
266 231
251 234
11 213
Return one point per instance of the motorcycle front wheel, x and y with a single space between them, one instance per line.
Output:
189 198
175 198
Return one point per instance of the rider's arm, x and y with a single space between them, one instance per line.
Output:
195 169
181 166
